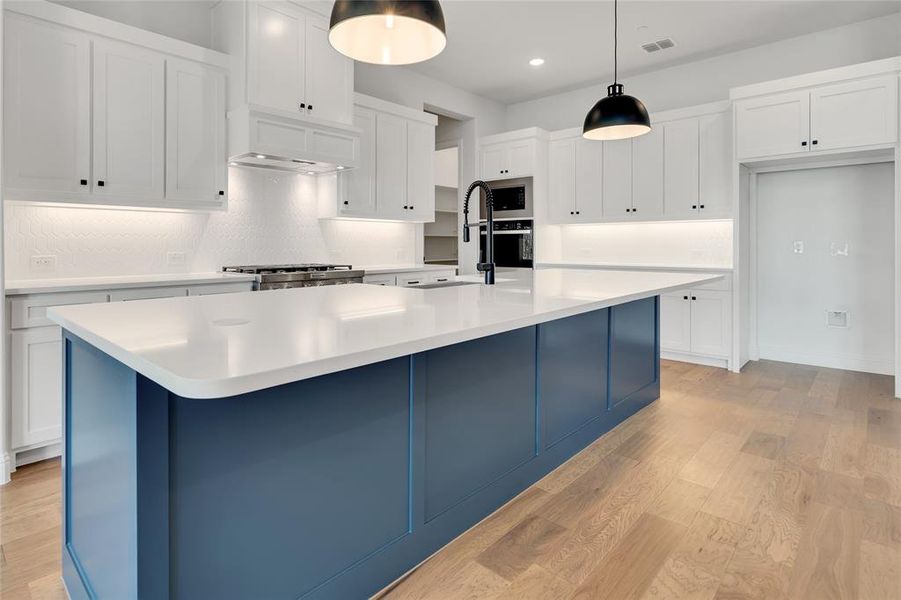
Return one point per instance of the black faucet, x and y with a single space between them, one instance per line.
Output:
488 266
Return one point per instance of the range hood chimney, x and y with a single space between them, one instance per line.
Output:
265 138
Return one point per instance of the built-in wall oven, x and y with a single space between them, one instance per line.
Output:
513 243
512 199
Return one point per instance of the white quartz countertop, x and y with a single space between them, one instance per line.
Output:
382 269
635 266
222 345
79 284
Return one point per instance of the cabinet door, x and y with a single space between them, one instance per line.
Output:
589 180
494 162
647 175
715 166
859 113
391 167
358 195
633 350
421 170
562 181
36 386
195 133
617 197
773 125
275 55
710 322
47 119
521 161
329 75
675 322
681 171
383 280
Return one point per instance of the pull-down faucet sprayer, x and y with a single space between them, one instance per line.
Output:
488 266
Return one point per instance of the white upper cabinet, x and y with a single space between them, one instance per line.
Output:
857 113
508 159
617 194
562 180
681 171
195 139
773 125
715 165
47 111
589 180
128 121
647 175
91 119
329 75
421 170
838 116
276 48
395 179
290 64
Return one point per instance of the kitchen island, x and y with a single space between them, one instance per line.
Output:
319 442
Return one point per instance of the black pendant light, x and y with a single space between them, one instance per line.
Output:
618 116
388 32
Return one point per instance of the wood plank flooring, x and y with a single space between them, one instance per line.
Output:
781 482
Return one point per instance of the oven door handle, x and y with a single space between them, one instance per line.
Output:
510 232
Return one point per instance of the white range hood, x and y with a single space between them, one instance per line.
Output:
271 139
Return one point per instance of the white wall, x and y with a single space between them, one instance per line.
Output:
700 243
271 219
819 207
709 80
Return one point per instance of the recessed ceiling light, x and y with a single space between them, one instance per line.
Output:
340 168
233 164
536 62
261 156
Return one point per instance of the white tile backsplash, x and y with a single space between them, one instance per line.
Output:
271 218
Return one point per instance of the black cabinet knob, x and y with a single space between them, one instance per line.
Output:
578 213
685 297
221 192
406 207
411 207
84 182
101 183
303 105
803 143
571 212
694 297
694 207
815 142
634 210
310 107
346 203
702 206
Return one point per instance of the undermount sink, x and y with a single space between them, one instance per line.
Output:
444 284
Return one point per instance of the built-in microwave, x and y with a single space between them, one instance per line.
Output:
512 199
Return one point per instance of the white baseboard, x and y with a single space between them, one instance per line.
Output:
26 457
866 364
694 359
6 467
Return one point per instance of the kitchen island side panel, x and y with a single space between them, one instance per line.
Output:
332 487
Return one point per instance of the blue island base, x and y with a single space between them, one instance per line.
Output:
330 487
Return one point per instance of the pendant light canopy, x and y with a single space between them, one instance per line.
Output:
618 116
388 32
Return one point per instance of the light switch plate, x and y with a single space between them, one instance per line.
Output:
43 263
838 249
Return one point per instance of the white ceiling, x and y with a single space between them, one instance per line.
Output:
491 41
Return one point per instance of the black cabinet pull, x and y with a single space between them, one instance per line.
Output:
406 207
702 206
815 142
634 209
101 183
694 207
346 203
803 143
411 207
685 297
412 282
310 107
694 297
441 279
571 212
578 213
84 182
221 192
303 105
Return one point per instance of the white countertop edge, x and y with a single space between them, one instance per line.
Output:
233 386
21 287
383 269
634 267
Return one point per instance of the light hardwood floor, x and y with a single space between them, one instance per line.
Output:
781 482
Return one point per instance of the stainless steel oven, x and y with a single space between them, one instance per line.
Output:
512 199
513 243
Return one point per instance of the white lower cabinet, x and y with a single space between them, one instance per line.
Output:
35 364
409 278
36 386
696 323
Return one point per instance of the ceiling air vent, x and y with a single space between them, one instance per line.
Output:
663 44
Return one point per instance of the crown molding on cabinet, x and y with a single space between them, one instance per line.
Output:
399 110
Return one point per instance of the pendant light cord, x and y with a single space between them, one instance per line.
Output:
615 39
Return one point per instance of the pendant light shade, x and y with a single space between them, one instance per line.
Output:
616 117
388 32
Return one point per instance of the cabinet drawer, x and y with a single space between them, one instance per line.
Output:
441 276
31 311
380 280
147 293
414 279
220 288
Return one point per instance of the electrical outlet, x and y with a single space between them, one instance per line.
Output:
798 247
43 263
175 259
839 249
